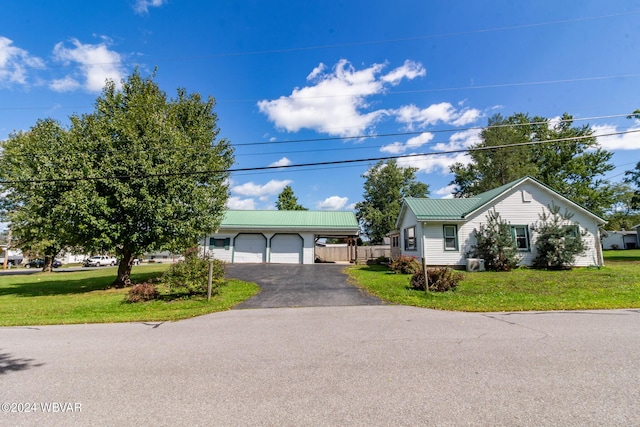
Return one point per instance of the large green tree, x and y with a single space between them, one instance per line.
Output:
144 172
572 163
30 165
386 184
287 201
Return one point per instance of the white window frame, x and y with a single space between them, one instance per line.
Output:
527 237
448 237
410 242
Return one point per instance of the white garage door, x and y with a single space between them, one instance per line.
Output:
286 249
250 248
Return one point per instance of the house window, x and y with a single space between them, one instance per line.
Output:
219 243
410 239
521 235
450 233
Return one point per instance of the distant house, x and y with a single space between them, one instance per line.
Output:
443 230
285 237
622 239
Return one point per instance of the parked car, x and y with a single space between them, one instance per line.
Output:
99 260
39 263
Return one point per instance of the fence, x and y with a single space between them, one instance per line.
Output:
342 253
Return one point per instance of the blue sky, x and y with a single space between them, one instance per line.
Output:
334 76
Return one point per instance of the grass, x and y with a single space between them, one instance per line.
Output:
82 297
617 285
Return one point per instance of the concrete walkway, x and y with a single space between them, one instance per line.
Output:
350 366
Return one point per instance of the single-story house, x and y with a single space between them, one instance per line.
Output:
443 230
285 237
622 239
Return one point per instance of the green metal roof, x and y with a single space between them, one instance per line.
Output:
299 220
455 209
458 209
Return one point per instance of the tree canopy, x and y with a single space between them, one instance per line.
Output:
386 184
571 163
140 173
287 201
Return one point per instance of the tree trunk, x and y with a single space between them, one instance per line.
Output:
48 262
124 270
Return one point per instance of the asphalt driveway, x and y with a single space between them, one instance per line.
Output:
296 285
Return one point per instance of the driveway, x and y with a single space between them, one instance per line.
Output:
298 285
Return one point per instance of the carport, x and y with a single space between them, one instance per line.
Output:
278 237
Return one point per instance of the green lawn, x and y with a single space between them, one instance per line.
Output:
82 297
615 286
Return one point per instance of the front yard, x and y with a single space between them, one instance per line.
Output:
617 285
81 297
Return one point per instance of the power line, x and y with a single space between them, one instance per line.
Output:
354 44
343 138
305 165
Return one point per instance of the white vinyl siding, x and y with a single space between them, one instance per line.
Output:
513 209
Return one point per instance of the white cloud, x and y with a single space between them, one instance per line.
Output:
251 189
409 70
460 140
15 63
447 191
434 163
97 64
241 204
65 84
333 203
336 103
282 162
626 141
412 143
412 116
142 6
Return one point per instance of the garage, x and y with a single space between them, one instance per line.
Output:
250 248
279 237
286 249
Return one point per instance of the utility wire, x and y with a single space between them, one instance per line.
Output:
304 165
354 44
341 138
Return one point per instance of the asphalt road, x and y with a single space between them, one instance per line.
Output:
297 285
376 365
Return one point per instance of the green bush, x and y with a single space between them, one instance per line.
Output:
559 240
142 292
495 244
440 279
405 265
191 276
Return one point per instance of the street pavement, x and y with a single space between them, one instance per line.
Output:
366 365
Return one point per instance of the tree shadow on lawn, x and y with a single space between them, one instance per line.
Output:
53 284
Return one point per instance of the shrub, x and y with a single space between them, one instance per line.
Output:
142 292
559 241
405 265
495 244
440 279
191 276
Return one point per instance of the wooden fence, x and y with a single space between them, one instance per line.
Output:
344 253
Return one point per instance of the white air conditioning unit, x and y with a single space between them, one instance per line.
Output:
475 264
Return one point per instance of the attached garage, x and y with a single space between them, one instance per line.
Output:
286 249
283 237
